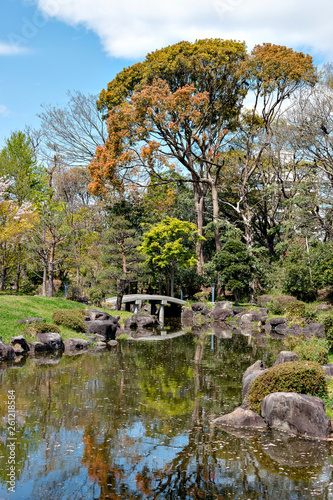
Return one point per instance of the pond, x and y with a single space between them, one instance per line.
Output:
133 423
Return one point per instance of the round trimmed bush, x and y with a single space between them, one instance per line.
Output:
303 377
71 318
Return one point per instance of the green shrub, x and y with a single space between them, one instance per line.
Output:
71 318
96 296
311 313
304 377
290 342
279 304
34 328
295 310
313 350
201 296
328 329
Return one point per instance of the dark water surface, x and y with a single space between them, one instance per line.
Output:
133 423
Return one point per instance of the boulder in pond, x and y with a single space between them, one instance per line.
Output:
257 366
52 340
141 321
76 345
19 344
107 329
187 315
250 317
296 413
198 306
241 418
247 382
38 347
7 352
221 314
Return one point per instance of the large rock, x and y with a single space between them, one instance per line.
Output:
19 344
314 329
324 307
198 307
221 330
141 321
250 317
247 382
7 352
187 315
38 347
107 329
241 418
76 345
101 315
273 323
258 365
328 369
296 414
223 304
238 310
52 340
221 314
285 357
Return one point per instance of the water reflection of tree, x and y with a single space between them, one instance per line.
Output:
172 389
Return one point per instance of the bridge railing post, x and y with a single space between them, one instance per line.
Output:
161 311
137 306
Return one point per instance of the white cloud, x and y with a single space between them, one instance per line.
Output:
130 28
4 111
8 49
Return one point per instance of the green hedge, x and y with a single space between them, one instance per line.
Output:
304 377
71 318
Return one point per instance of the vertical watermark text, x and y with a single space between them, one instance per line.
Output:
11 440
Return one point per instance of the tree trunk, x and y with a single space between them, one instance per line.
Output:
51 269
18 269
172 280
44 279
120 294
199 201
216 213
3 275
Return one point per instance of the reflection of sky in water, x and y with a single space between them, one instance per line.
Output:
136 422
56 467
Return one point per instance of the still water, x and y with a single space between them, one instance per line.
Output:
133 423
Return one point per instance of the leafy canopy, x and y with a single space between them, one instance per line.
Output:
170 242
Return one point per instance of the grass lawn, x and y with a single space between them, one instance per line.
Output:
16 307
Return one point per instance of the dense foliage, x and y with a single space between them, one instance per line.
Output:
82 199
295 376
72 318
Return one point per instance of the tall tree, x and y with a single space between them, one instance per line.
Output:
174 110
274 73
18 164
169 244
73 132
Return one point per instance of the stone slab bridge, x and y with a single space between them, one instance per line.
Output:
138 299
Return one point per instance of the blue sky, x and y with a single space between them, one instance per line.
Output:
50 46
